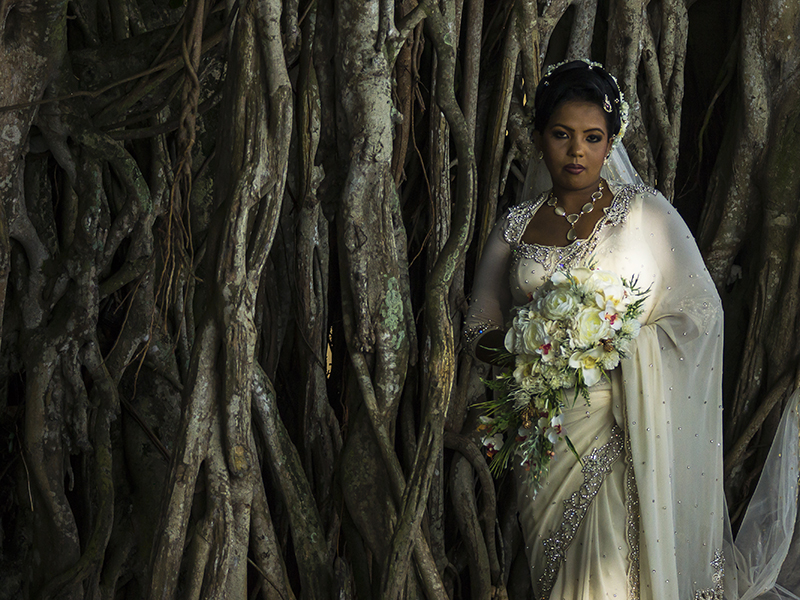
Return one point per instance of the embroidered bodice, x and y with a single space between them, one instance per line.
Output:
511 269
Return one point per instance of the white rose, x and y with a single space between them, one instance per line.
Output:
536 336
514 341
559 304
590 328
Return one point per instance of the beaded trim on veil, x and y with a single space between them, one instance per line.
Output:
553 258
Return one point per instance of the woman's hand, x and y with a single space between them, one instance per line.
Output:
491 349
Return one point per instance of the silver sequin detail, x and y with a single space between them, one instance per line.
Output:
595 467
632 533
717 577
553 258
473 333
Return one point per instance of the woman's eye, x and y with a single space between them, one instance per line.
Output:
560 135
594 138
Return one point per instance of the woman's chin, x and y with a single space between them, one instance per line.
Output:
576 181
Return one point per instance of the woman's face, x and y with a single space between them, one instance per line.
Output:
575 143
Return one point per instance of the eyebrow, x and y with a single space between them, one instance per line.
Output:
584 131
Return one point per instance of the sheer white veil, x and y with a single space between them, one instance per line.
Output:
766 553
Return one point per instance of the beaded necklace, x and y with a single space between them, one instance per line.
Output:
572 218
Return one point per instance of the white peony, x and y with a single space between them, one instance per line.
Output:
590 328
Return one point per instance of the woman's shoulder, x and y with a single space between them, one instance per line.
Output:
628 197
652 209
516 219
633 189
650 201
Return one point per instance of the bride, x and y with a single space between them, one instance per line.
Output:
643 514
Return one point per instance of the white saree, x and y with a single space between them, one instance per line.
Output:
645 516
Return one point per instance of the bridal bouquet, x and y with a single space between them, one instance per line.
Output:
574 329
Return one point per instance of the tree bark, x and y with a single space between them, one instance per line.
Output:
237 241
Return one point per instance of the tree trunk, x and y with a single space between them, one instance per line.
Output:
236 245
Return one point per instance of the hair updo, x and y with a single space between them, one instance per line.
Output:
579 81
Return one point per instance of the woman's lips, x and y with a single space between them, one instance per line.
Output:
575 169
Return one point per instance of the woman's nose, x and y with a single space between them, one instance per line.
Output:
576 149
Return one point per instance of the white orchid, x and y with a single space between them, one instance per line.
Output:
588 364
556 428
612 316
492 443
576 276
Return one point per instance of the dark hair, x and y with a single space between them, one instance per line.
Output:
578 81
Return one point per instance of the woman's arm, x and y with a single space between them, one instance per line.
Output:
484 326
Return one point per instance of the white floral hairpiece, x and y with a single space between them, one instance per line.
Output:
624 108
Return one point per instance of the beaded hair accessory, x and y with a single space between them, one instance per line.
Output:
624 109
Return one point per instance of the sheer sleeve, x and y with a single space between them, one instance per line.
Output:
491 292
